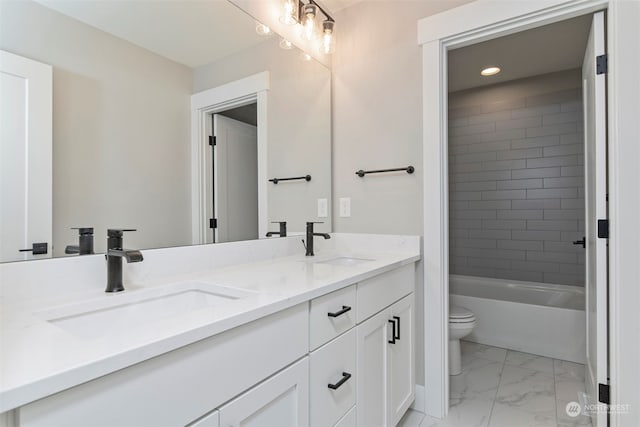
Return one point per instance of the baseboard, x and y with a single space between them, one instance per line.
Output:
418 403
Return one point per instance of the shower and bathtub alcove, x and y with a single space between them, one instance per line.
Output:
517 189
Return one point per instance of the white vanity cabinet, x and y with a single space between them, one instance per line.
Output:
385 374
343 359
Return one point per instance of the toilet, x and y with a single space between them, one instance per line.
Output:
461 323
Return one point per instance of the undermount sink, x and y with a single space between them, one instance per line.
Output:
124 311
344 261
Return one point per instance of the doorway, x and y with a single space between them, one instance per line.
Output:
439 35
234 174
231 97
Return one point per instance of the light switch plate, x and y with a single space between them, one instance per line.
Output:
322 208
345 207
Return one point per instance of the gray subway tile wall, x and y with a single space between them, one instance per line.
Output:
517 189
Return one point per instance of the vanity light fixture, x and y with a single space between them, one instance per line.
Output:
262 29
305 14
490 71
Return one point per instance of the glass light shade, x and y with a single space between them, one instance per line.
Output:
309 21
262 29
286 44
290 15
328 44
306 57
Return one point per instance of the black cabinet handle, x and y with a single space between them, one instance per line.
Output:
393 332
37 249
345 377
398 319
582 242
345 308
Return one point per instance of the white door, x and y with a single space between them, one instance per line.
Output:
401 387
235 172
280 401
594 96
25 156
372 371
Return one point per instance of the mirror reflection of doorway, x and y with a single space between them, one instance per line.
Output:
235 175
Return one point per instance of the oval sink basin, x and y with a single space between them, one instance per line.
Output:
123 311
344 261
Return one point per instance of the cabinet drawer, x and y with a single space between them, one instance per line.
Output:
381 291
331 315
332 380
349 420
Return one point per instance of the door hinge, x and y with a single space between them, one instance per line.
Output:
212 140
213 223
602 64
604 395
603 228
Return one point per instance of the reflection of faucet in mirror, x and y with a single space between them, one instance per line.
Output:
114 256
85 242
283 229
310 234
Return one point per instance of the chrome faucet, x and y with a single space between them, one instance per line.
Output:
283 229
115 254
309 245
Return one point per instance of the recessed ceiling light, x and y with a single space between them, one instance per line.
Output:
490 71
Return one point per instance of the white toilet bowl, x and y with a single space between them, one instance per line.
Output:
461 323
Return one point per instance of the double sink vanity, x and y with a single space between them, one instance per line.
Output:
242 333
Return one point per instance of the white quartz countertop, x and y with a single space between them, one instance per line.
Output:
38 358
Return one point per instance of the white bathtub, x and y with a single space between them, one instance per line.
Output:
537 318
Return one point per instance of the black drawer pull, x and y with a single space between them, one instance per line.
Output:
398 319
345 308
393 332
345 377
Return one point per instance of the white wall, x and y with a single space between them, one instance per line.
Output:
377 121
298 126
121 129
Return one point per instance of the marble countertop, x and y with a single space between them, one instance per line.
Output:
38 358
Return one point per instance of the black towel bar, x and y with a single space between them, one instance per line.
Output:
409 169
277 180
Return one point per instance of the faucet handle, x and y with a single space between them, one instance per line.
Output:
83 230
117 232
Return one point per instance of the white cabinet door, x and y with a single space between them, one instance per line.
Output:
280 401
400 356
385 371
372 371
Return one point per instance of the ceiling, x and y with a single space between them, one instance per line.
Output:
192 33
555 47
335 5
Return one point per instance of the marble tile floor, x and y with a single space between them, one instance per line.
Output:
506 388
